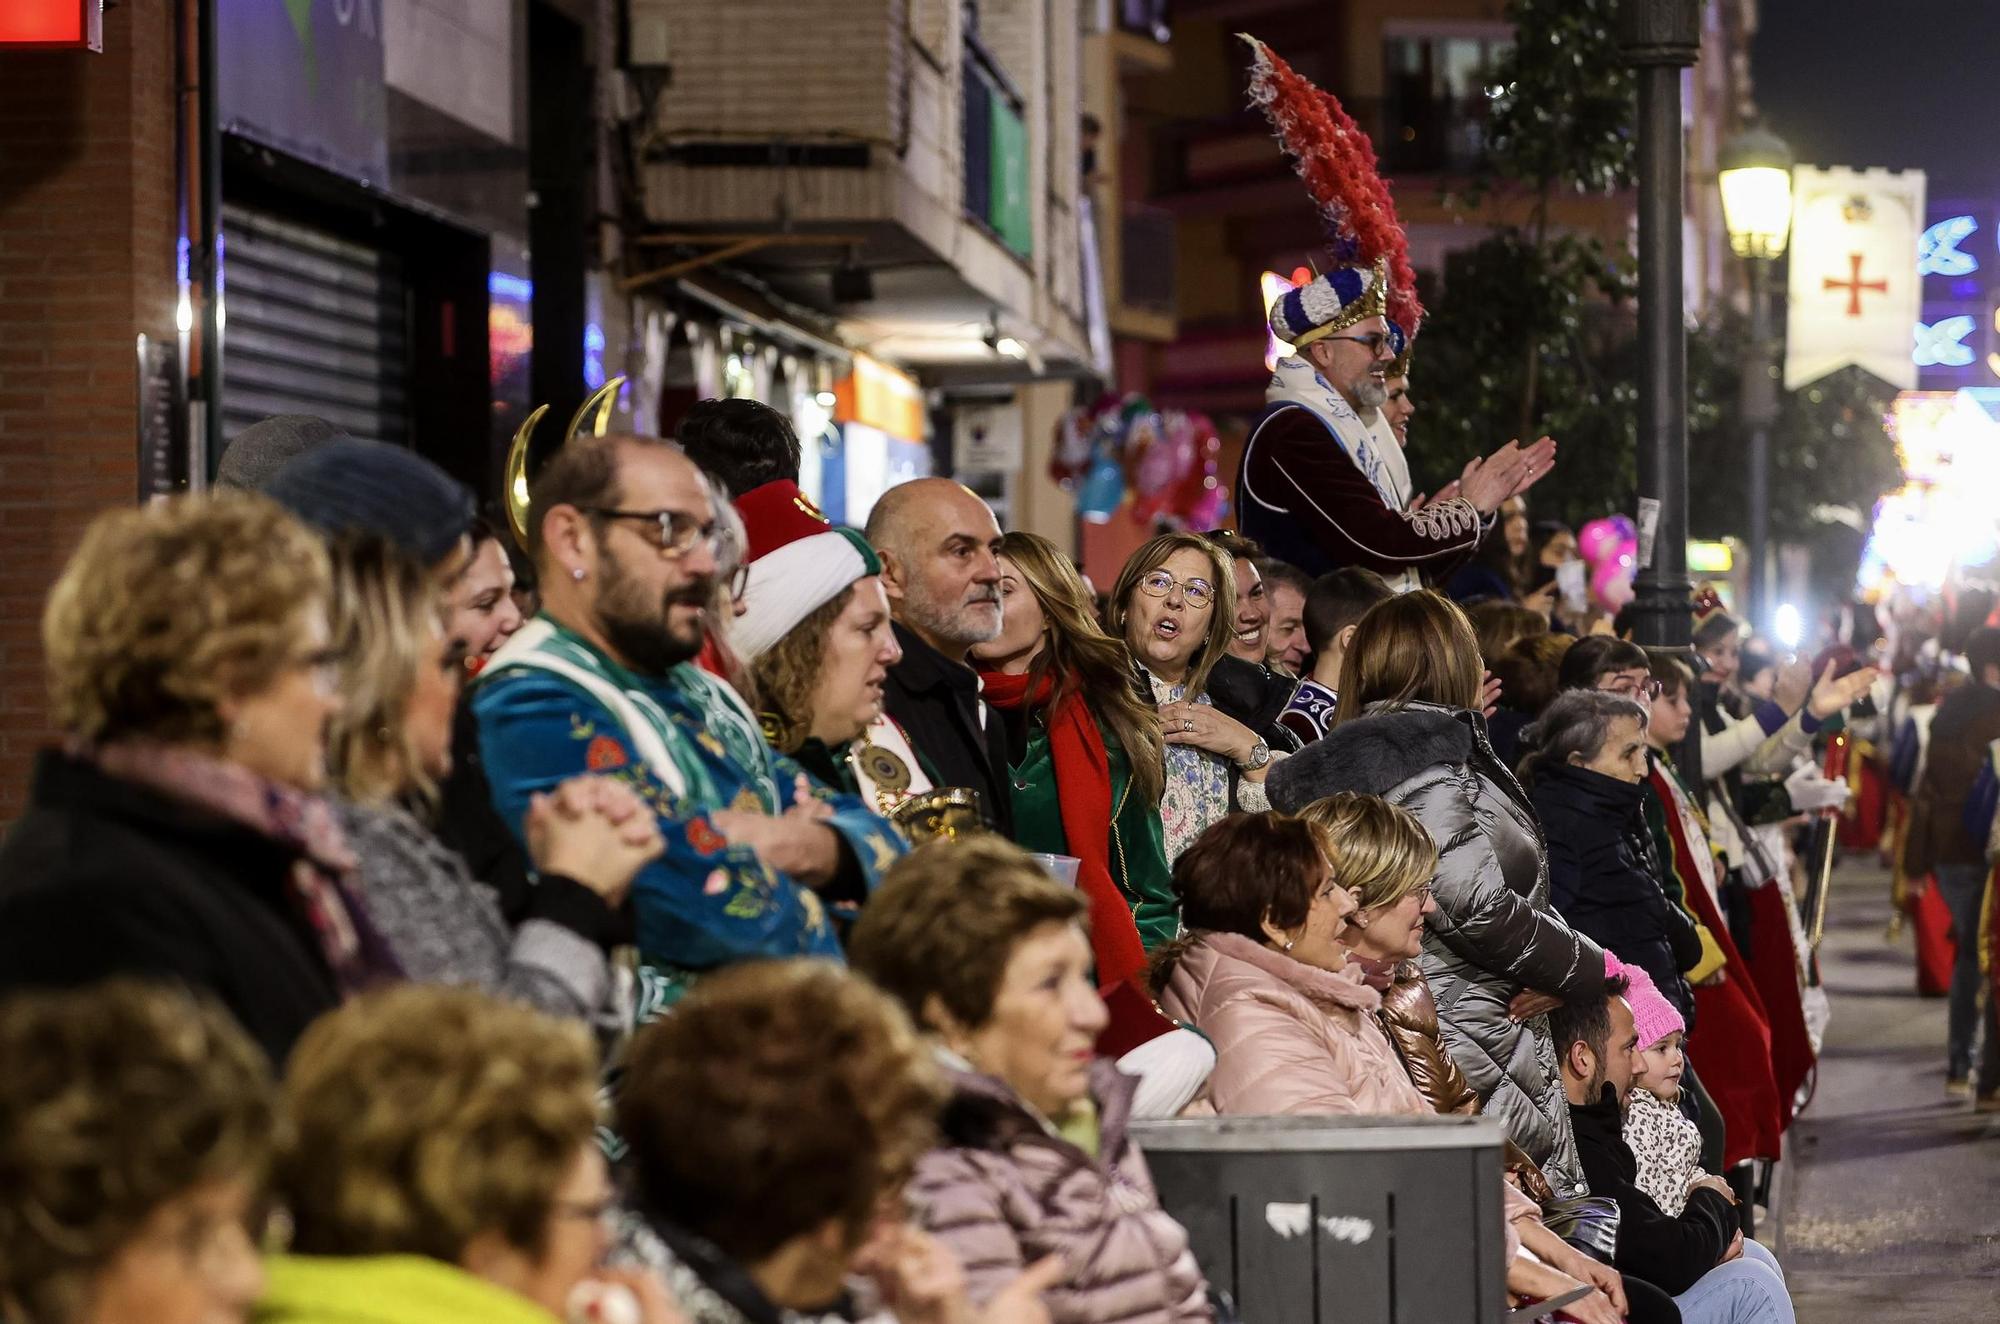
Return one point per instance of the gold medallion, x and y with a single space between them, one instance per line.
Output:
885 768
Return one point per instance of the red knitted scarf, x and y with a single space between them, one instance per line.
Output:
1083 793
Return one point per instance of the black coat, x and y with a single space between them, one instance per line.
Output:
960 742
1253 694
1670 1253
1602 879
102 877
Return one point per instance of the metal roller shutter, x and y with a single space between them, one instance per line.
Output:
316 324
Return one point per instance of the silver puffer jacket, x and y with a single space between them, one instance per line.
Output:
1493 934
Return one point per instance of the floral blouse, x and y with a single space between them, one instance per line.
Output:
1197 789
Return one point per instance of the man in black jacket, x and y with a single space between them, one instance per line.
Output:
940 545
1701 1257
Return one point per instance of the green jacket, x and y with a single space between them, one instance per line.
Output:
1137 845
385 1289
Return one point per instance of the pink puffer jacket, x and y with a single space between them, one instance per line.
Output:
1289 1038
1002 1192
1293 1039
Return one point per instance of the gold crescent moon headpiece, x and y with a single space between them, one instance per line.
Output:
595 411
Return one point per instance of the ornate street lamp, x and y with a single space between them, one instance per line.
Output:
1754 171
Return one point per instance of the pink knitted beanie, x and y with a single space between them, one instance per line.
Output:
1652 1015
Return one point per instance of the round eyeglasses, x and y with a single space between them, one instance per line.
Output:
1198 593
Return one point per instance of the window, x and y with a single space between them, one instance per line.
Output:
1436 90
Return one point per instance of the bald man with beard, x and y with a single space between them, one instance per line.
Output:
939 545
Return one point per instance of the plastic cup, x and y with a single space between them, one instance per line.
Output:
1062 868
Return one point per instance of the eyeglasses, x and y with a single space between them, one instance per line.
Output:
673 532
587 1211
1375 340
1199 593
738 580
1632 688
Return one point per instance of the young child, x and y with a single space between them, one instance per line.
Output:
1666 1143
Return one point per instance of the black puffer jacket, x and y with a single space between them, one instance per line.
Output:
1493 934
1601 879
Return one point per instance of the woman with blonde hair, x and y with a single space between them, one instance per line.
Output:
1174 604
391 745
1497 957
178 832
1086 754
440 1164
1386 860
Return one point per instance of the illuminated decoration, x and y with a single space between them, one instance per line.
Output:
593 355
1938 252
881 397
1710 558
510 335
1941 344
1788 625
1948 444
52 24
1274 287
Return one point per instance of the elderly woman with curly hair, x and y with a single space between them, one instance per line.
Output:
774 1120
989 957
135 1125
178 832
440 1164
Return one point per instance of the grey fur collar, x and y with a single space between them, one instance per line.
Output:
1372 755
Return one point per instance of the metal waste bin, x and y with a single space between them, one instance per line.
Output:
1340 1220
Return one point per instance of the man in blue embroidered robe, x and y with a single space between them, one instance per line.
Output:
623 536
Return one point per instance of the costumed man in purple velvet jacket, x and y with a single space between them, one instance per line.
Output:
1324 483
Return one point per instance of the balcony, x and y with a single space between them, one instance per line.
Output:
1146 262
996 153
886 138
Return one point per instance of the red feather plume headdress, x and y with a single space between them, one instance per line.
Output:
1337 164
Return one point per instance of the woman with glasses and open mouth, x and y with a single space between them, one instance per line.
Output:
1174 604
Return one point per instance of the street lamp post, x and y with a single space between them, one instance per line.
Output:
1755 174
1659 39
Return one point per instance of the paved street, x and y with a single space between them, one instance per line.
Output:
1890 1205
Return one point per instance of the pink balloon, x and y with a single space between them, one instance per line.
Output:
1611 585
1597 540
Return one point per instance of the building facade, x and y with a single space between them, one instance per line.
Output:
340 217
1208 203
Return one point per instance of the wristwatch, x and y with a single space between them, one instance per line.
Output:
1260 754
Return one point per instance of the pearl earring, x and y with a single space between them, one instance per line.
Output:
1288 944
577 574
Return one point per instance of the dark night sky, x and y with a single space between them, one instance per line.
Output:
1879 83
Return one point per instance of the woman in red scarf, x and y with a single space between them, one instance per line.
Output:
1085 751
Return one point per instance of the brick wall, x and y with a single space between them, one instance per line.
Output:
86 265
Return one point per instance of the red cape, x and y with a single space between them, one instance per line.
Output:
1730 1045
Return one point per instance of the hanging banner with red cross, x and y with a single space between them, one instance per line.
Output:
1854 296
